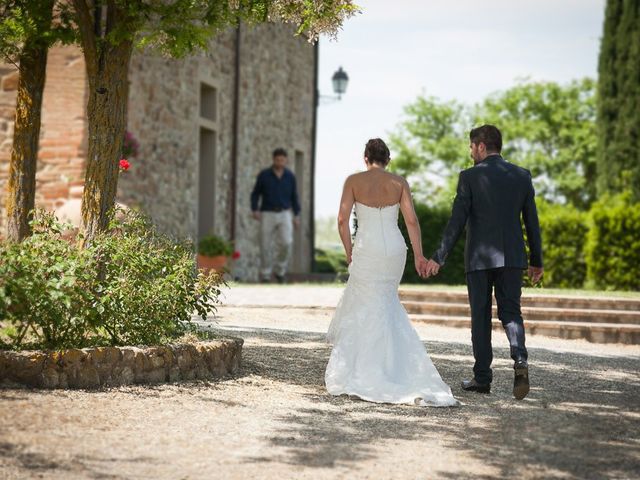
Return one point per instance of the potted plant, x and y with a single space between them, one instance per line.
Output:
213 253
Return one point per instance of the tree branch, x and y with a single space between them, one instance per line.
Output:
10 60
112 13
85 25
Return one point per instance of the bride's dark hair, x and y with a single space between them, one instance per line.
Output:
377 152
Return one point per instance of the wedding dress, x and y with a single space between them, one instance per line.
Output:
377 355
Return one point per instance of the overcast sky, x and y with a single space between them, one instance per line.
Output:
453 49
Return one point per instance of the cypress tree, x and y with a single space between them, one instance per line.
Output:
619 99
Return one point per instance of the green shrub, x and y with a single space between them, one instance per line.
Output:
131 285
150 286
330 261
613 244
564 230
212 246
47 289
433 221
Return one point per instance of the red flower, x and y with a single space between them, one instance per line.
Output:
124 164
235 255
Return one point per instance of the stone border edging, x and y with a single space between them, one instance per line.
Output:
112 366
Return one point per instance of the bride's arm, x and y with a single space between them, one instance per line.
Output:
413 227
346 204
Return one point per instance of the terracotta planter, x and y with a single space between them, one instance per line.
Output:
217 263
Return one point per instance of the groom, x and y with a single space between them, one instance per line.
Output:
491 197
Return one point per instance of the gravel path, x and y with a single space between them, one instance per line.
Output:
275 420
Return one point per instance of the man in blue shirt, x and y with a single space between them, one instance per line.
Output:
278 212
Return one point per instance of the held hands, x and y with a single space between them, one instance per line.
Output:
426 268
421 265
296 222
256 215
535 274
433 268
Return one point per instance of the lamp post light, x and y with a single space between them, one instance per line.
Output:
340 80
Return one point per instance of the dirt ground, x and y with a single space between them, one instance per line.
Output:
275 420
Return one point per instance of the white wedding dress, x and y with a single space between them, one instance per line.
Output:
377 355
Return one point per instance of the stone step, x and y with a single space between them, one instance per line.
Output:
592 332
530 300
530 313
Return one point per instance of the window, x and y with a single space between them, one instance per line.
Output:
207 182
208 102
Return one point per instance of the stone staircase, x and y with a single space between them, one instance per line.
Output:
596 319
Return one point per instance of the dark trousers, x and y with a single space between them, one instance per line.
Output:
508 285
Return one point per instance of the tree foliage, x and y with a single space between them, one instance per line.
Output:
430 146
550 129
619 99
547 127
42 23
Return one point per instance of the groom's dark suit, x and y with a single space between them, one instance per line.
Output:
491 197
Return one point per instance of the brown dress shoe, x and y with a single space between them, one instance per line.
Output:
520 381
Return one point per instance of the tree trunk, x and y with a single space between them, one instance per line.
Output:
106 112
107 65
24 155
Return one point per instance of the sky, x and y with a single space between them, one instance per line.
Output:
452 49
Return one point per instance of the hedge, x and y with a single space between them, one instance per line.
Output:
564 232
433 221
613 244
598 249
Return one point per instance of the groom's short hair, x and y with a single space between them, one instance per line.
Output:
489 135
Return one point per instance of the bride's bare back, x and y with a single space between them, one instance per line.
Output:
376 187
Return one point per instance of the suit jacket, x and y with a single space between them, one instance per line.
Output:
491 196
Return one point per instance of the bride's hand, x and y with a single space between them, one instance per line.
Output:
349 258
421 265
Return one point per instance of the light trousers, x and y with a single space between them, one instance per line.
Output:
276 239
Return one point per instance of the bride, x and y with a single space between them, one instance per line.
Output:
377 355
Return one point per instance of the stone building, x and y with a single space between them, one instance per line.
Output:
206 125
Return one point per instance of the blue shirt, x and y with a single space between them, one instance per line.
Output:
277 193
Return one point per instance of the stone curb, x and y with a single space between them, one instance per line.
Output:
112 366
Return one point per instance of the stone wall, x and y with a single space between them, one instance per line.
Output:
276 90
164 116
276 110
110 366
63 141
